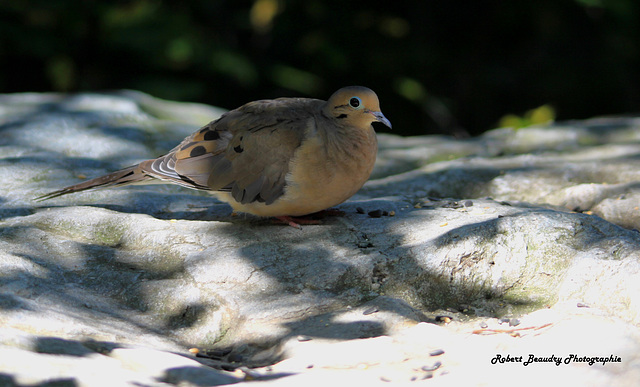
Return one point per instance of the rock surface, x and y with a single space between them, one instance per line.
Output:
516 243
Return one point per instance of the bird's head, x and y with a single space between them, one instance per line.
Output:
356 106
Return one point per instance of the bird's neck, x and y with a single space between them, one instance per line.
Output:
358 146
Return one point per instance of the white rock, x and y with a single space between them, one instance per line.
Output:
115 286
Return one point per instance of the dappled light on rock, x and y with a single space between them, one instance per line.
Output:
514 243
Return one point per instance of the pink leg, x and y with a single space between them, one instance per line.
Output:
309 219
296 222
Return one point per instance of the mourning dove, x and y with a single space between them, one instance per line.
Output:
281 158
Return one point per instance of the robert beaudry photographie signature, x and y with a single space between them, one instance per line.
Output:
572 358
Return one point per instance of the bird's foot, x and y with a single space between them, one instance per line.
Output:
308 219
295 221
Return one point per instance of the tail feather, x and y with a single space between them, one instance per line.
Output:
124 176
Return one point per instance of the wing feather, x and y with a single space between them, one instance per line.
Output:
246 152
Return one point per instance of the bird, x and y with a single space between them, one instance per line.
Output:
284 158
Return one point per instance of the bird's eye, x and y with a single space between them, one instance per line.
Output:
355 102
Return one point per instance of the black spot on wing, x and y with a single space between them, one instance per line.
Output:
197 151
211 135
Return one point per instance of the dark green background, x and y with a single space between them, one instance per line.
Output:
451 67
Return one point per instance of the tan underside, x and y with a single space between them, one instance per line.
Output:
322 183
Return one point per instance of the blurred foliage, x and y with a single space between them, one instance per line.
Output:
544 114
439 67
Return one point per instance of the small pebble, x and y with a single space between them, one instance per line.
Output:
359 210
483 325
581 305
375 213
392 213
195 351
452 204
504 320
429 375
371 310
514 322
444 319
468 203
310 366
433 367
436 352
302 338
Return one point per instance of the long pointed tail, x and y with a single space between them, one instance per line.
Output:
124 176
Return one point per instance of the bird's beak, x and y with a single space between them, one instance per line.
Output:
381 118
